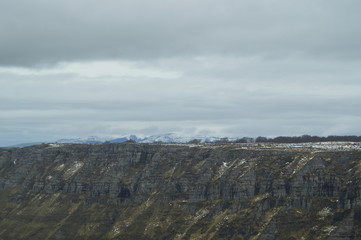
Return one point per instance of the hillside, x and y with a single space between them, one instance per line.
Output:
181 191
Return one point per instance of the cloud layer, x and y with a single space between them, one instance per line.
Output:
231 68
43 32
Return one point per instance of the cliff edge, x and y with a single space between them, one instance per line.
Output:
181 191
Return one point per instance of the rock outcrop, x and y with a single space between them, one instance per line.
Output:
181 191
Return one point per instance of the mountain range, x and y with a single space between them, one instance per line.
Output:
166 138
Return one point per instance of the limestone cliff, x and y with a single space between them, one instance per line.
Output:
181 191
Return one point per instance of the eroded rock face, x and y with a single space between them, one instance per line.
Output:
181 191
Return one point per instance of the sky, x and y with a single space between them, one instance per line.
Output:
80 68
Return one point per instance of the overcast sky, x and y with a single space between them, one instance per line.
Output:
79 68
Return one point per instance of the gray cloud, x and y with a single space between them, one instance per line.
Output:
43 32
229 68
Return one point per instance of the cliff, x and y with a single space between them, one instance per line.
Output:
181 191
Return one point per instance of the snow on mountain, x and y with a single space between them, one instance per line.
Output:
174 138
165 138
92 139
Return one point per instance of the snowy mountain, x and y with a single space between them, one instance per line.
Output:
92 139
165 138
174 138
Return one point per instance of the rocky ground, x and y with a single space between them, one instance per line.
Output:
181 191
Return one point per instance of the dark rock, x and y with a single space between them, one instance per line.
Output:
179 191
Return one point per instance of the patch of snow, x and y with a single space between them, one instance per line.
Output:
340 146
301 164
324 212
54 145
328 229
331 145
194 145
73 169
222 169
60 167
201 214
116 230
260 197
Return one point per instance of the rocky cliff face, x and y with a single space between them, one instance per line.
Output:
181 191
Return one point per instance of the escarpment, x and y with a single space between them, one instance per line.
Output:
181 191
